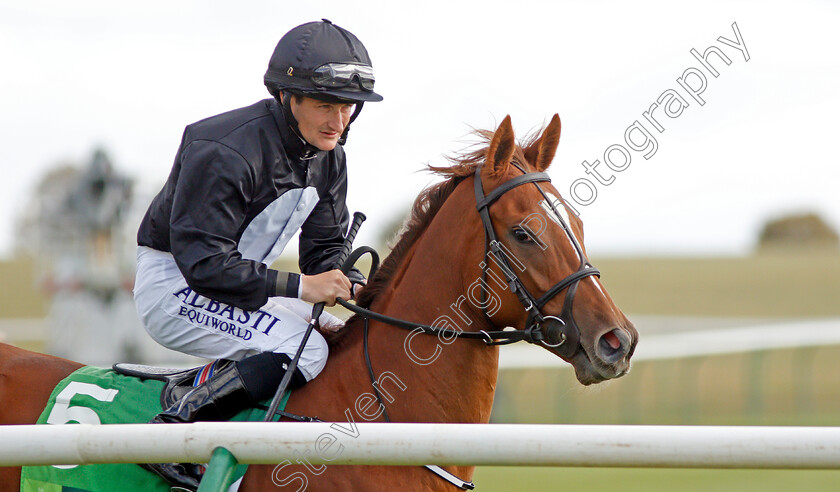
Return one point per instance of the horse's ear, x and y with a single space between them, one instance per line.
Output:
542 151
501 148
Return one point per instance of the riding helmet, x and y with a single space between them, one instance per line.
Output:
324 61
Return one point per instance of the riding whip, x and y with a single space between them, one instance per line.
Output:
317 309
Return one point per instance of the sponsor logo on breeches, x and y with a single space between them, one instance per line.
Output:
232 320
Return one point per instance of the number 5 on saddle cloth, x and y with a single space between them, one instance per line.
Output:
129 394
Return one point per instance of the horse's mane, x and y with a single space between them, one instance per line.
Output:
425 207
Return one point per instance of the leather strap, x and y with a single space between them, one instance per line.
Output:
506 186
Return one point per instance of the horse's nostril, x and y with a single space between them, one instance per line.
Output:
610 347
612 353
612 340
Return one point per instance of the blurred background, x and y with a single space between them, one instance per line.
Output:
721 246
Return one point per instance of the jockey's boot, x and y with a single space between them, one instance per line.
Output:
232 389
219 398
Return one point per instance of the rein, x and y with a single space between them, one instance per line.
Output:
489 337
563 327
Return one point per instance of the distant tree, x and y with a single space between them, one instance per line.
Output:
800 231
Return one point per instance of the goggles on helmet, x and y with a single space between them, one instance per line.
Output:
341 75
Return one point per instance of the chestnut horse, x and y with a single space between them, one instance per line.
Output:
433 276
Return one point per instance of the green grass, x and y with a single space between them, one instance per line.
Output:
767 285
777 387
20 295
539 479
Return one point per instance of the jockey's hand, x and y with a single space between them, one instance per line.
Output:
325 287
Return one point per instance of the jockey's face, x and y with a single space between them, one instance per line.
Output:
320 123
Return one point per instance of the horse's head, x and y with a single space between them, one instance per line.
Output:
534 245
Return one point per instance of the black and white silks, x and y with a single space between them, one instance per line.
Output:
241 186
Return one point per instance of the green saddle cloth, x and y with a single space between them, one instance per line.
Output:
94 395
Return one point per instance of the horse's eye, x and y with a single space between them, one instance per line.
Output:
521 236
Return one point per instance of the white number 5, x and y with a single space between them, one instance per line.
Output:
63 413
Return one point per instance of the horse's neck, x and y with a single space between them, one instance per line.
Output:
447 380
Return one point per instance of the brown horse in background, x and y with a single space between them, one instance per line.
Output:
421 378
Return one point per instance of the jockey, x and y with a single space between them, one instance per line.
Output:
243 183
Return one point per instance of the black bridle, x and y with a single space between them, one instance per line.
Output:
561 333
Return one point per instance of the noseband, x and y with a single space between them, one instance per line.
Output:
561 334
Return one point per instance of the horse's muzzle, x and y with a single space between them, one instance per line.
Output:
612 352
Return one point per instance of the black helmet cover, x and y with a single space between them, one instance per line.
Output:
324 61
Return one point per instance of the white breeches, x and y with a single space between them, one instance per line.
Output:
181 320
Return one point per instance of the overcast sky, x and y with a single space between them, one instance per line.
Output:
130 75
